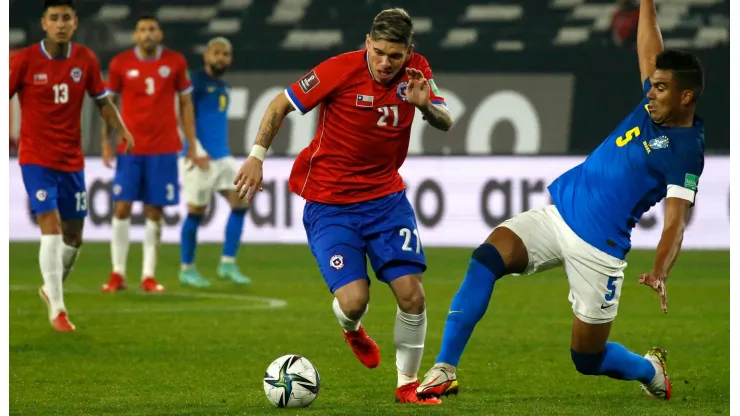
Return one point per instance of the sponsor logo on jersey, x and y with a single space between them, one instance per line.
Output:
309 82
364 100
41 195
76 74
337 261
401 90
164 71
691 182
132 73
40 79
658 143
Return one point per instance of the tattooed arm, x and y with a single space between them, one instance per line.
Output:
437 115
272 120
112 121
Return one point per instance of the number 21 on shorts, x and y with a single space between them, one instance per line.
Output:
406 234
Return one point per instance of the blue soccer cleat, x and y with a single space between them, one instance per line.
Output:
229 271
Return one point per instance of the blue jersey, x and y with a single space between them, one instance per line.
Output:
602 199
211 102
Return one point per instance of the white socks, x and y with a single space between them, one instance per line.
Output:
50 262
346 323
152 235
409 334
69 257
119 244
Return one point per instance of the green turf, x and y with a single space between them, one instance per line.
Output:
177 354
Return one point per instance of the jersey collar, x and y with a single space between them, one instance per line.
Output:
48 55
156 57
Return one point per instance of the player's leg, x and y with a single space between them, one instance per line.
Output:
524 244
73 210
397 256
339 251
126 189
197 188
42 188
596 282
161 186
227 268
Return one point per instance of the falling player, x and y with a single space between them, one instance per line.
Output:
211 102
147 78
356 202
656 152
51 78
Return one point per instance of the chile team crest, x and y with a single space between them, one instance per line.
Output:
76 74
401 90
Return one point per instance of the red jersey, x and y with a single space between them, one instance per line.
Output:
362 136
51 92
148 88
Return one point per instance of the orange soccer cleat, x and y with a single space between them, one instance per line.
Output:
115 283
407 394
365 349
151 285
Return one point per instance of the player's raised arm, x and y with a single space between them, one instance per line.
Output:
426 100
649 39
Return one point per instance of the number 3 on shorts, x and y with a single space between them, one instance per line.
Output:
611 288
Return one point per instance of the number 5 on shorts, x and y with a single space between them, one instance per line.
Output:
611 288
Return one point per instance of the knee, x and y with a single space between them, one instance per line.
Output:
412 300
587 364
153 213
354 303
123 210
73 239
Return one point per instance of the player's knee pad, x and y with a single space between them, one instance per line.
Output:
488 255
587 364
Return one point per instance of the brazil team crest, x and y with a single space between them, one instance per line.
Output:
658 143
76 74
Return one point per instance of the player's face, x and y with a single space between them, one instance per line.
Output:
59 23
667 100
148 35
218 58
386 58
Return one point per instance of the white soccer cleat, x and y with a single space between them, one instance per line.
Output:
660 387
439 381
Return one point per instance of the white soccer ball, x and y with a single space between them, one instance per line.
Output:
291 381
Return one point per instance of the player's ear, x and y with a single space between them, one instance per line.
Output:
687 96
367 41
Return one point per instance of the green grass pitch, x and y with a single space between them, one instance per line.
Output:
192 352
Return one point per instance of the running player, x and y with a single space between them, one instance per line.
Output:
356 202
211 101
51 78
656 152
148 78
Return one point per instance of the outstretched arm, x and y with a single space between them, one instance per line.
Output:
649 39
437 115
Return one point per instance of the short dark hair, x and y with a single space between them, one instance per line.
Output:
146 17
57 3
686 68
393 25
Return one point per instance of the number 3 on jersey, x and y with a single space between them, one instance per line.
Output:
149 85
631 134
386 112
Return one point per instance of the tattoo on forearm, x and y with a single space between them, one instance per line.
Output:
269 128
437 116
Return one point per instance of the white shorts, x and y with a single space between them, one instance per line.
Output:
595 277
199 185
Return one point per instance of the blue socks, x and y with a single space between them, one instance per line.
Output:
471 301
189 237
234 232
616 362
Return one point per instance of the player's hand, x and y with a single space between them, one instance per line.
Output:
194 160
417 90
658 284
108 154
249 178
126 138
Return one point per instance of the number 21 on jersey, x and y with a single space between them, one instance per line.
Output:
631 134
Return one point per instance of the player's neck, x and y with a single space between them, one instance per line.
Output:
683 120
56 50
210 73
144 54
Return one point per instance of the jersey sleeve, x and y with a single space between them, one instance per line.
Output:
115 82
646 86
681 173
315 86
18 65
434 96
95 85
182 78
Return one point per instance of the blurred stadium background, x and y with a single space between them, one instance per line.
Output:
534 86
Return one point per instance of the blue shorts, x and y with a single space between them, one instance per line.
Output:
50 189
383 229
152 179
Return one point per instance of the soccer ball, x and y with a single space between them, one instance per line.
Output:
291 381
